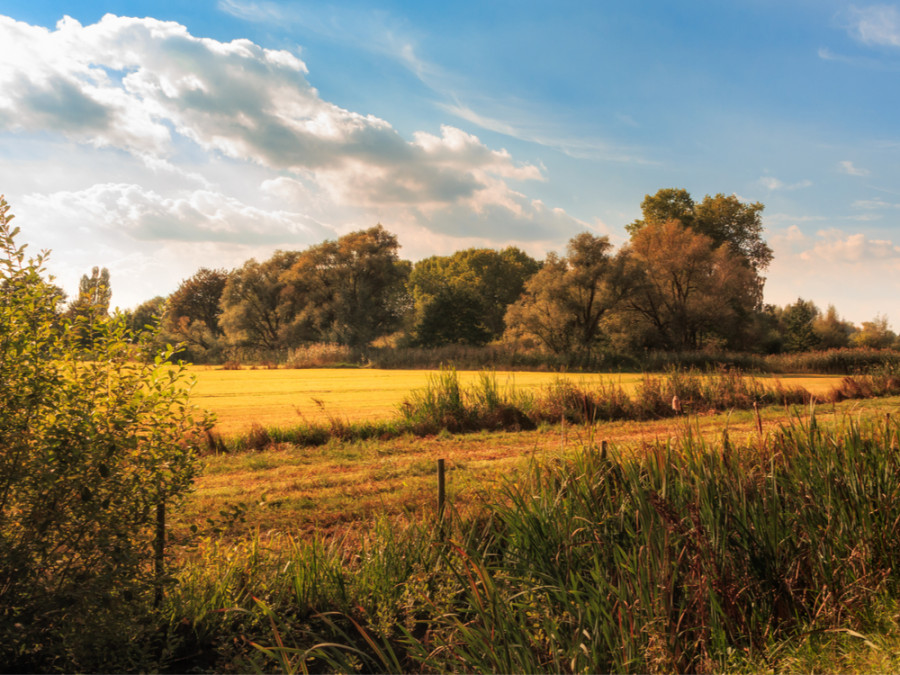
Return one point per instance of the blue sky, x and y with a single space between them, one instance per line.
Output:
154 138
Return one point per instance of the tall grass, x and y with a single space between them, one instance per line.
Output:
688 556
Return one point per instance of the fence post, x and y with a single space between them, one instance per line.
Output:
759 426
159 551
603 445
441 493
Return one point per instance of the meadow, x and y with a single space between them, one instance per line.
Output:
725 542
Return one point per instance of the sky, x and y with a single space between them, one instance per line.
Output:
155 138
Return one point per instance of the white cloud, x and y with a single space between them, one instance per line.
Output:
851 170
149 87
772 183
836 246
131 211
876 25
875 204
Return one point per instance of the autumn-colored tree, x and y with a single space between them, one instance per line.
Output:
724 219
687 290
563 304
875 334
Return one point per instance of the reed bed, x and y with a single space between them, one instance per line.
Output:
683 555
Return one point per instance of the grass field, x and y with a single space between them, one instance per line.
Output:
337 486
320 535
285 397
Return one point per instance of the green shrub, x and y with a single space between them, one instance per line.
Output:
90 444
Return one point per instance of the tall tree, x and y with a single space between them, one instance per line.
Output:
832 331
91 307
194 309
797 324
348 291
253 310
688 290
564 303
724 219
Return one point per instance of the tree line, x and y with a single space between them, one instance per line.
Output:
690 277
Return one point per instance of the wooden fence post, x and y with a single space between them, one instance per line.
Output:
441 492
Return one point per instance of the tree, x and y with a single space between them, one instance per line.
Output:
194 309
831 331
452 316
489 280
874 334
92 303
254 313
724 219
348 291
90 444
688 291
563 304
146 317
797 324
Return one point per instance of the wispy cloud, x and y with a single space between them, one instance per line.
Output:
848 168
876 25
772 183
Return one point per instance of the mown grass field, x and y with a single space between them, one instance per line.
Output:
286 397
338 486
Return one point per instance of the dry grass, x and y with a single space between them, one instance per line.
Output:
337 486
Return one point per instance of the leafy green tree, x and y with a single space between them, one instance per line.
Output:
724 219
452 316
193 312
492 280
564 303
688 291
92 303
144 319
90 444
254 313
797 325
348 291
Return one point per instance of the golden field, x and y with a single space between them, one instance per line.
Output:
287 397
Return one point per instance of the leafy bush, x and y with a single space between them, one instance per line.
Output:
90 444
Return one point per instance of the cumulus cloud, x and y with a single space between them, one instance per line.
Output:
133 83
200 216
876 25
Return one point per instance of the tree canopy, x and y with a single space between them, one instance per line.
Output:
724 219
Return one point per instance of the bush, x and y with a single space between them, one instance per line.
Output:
90 444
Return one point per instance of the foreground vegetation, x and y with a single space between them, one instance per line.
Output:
679 555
